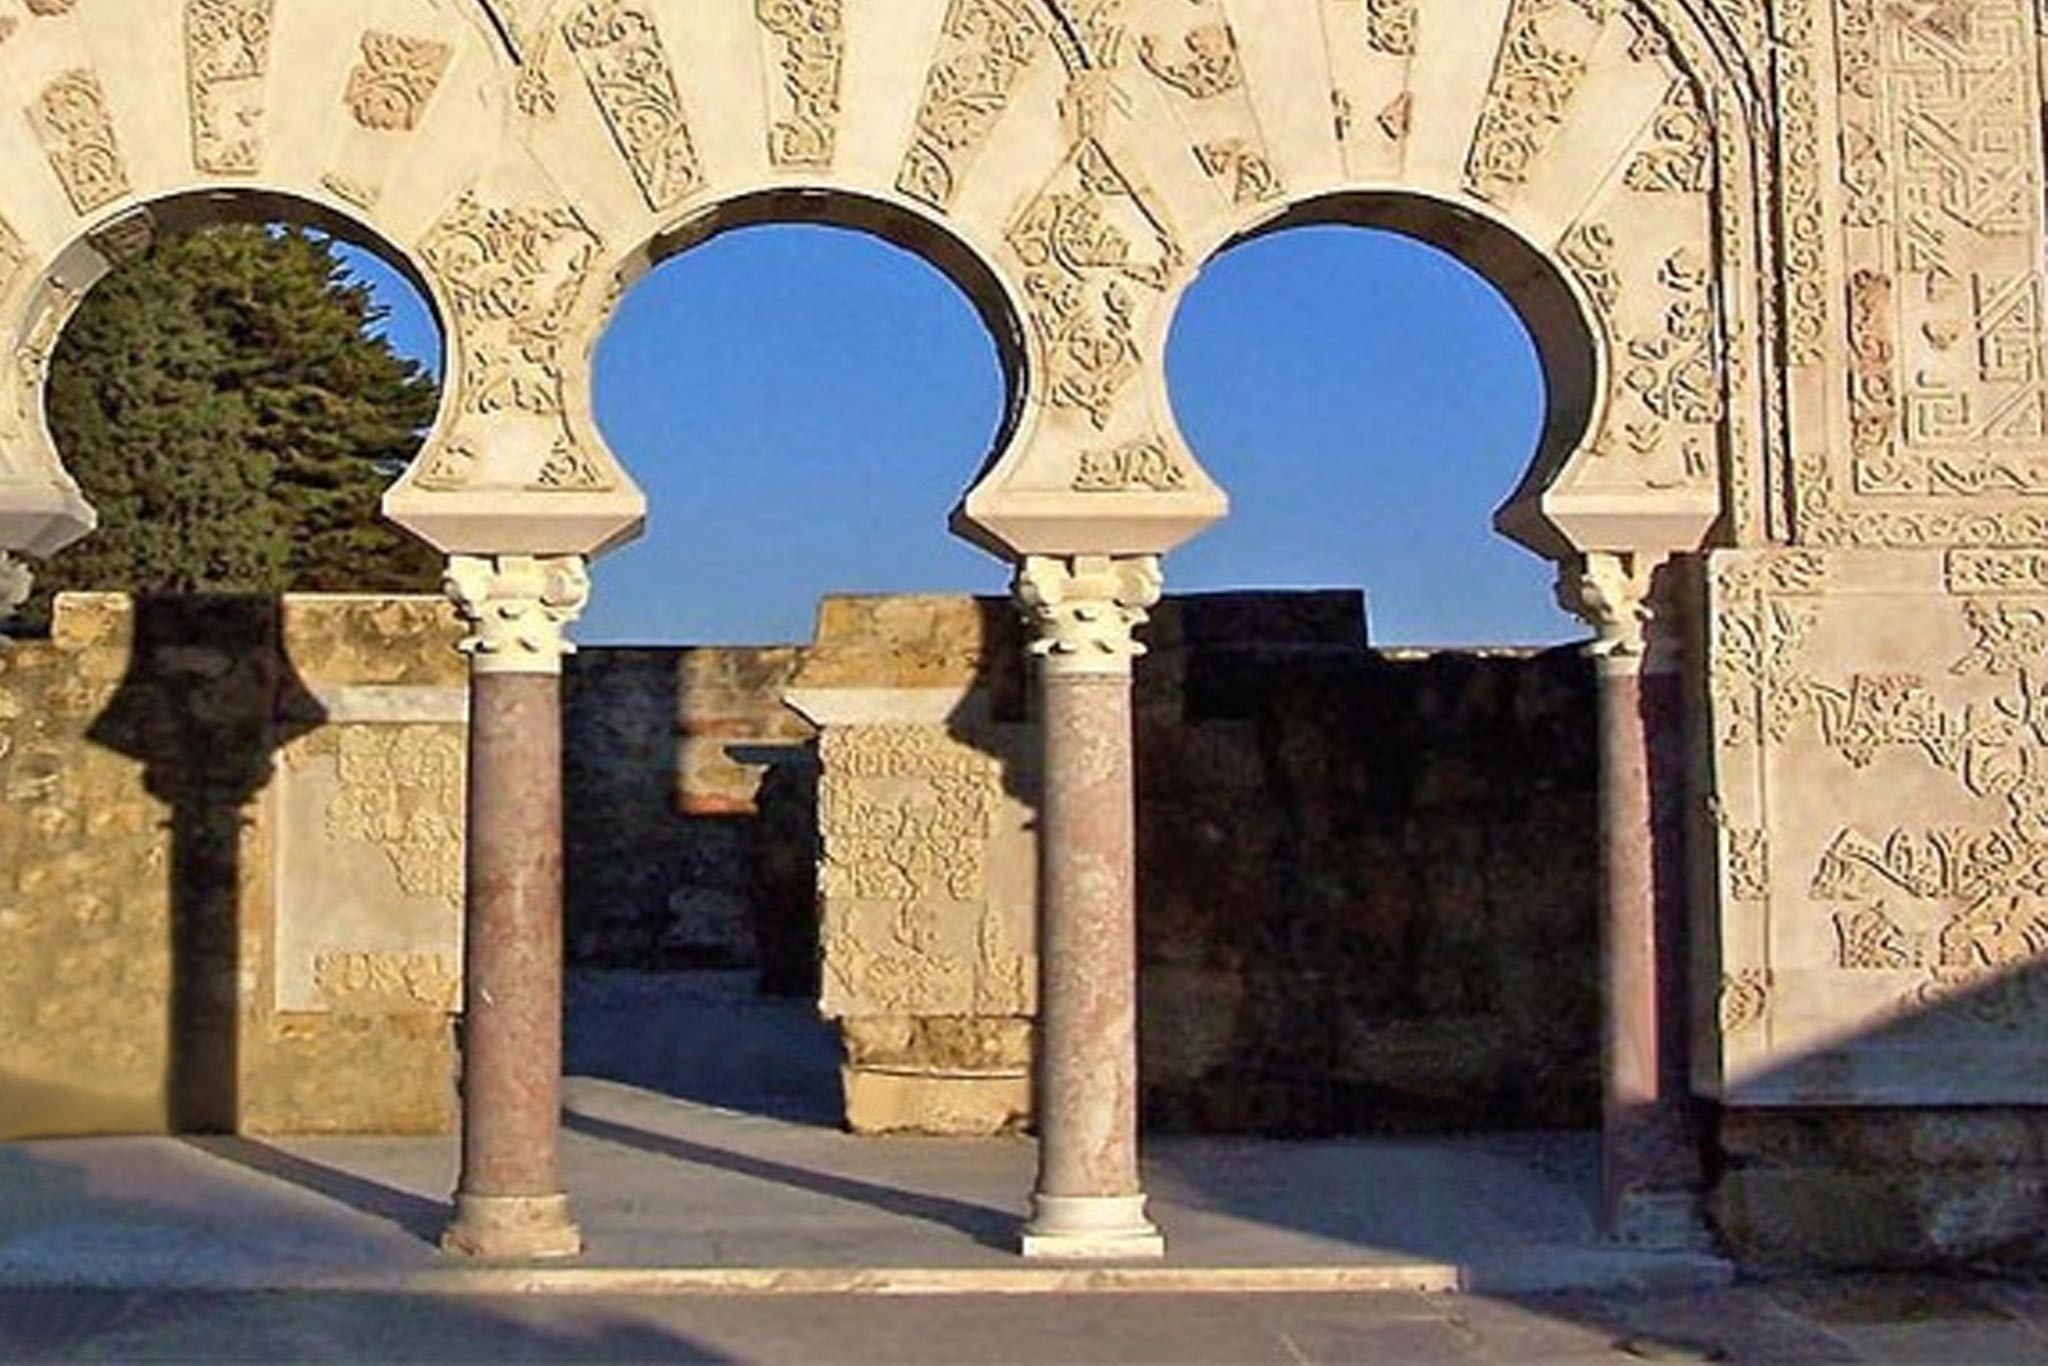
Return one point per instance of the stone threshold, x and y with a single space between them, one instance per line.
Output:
1538 1271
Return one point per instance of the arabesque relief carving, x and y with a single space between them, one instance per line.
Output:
985 46
1542 64
1390 26
1148 463
388 90
227 61
1097 258
512 273
619 47
1900 777
400 791
810 39
906 818
77 134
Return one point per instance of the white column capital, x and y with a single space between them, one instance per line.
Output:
17 581
1611 591
519 608
1084 610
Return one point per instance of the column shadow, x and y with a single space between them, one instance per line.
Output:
208 699
989 1227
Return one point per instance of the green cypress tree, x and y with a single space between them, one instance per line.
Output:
222 403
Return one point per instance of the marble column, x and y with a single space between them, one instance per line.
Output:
1650 1159
1083 614
510 1202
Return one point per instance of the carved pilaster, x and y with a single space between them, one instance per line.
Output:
518 608
16 581
1084 610
1611 591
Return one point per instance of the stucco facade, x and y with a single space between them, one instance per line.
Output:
1782 260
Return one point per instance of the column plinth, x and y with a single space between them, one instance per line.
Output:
1089 1201
509 1203
1650 1163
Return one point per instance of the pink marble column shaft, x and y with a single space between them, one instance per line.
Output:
1650 1166
510 1201
1089 1201
1088 1006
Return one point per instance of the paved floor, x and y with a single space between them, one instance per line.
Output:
672 1191
699 1146
1839 1321
700 1169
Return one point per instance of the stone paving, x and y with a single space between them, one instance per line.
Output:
1847 1320
676 1194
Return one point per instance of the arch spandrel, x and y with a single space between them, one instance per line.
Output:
1599 135
1089 154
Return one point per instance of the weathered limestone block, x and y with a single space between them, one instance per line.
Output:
966 1077
1885 1188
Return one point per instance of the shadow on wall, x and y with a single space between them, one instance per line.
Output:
1367 879
1814 1179
689 832
209 699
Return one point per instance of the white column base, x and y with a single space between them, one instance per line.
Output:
1091 1227
512 1228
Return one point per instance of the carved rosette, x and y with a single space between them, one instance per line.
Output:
519 608
1610 591
1083 612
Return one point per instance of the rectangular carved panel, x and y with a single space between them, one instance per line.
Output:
370 868
1944 384
1880 745
916 921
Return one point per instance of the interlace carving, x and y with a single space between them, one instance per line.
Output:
519 608
227 57
1084 611
388 90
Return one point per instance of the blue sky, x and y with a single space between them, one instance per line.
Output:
803 406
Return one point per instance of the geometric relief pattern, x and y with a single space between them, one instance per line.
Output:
1942 163
1880 724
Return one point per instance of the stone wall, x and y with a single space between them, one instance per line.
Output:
1367 877
230 867
1366 880
1884 1188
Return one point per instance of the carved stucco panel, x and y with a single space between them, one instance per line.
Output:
923 909
1880 749
370 868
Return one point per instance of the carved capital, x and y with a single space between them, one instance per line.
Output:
1610 591
1084 611
518 608
16 582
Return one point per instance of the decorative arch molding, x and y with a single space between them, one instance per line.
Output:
1079 158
